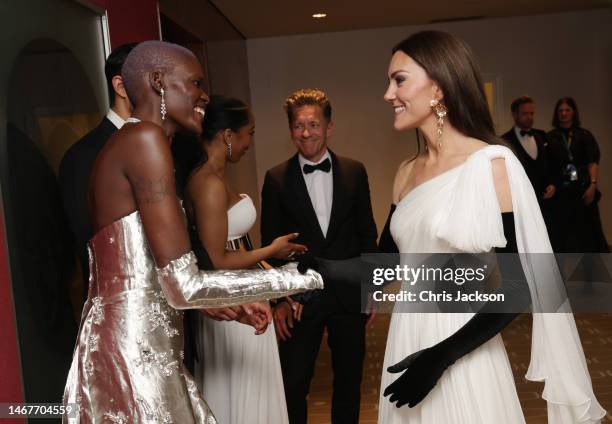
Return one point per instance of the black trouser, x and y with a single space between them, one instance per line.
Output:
346 339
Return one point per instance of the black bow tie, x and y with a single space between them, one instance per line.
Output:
526 132
324 166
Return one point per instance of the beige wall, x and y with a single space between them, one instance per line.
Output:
229 75
546 57
224 55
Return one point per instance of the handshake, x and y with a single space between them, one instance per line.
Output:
258 315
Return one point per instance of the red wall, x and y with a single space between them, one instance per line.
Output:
128 21
10 368
131 21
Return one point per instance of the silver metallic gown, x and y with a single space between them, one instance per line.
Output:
127 365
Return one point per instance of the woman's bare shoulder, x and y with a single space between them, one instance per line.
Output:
204 182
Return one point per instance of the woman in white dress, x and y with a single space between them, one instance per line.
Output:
452 367
238 370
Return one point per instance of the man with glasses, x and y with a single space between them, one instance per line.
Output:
326 199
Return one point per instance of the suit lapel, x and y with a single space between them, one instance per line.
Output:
519 147
337 196
540 142
304 204
515 141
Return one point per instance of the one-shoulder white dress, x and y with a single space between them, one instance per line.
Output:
458 211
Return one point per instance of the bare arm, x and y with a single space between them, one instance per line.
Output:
208 196
151 177
502 185
593 168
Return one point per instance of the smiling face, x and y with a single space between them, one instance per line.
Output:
184 95
410 92
309 131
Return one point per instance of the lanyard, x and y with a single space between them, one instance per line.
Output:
567 142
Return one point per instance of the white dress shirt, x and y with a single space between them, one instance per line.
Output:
528 142
115 119
320 187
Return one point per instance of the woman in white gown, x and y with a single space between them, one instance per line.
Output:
450 198
238 370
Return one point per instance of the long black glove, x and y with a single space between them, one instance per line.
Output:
349 271
423 369
386 244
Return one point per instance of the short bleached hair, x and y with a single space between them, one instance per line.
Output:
147 57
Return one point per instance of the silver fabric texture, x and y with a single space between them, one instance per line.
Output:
187 287
128 360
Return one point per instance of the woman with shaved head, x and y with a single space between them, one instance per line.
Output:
127 364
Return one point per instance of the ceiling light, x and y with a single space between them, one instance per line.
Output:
319 15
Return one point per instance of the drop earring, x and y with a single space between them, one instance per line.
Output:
162 106
440 111
229 150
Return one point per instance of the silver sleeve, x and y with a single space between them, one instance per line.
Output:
187 287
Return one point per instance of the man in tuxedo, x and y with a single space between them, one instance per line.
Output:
326 199
530 146
532 149
76 164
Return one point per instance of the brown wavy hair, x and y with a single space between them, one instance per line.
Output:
450 63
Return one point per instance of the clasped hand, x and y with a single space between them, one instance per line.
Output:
258 315
284 315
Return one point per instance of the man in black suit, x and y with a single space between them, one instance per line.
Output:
326 199
530 146
76 164
532 149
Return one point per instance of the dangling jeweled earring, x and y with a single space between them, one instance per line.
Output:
162 107
440 110
229 150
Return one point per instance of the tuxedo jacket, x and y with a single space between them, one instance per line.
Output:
74 172
286 208
537 169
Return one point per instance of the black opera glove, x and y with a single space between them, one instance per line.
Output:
386 243
423 369
346 271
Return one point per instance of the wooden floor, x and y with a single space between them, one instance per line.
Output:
595 332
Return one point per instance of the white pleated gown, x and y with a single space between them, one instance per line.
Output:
239 371
458 211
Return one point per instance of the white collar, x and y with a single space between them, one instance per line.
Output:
115 118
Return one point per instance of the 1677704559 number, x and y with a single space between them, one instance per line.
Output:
37 410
